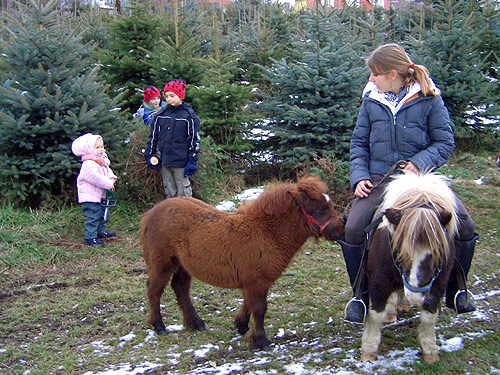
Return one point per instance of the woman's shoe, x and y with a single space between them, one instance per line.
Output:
355 311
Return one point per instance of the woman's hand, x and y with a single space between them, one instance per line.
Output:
363 188
412 168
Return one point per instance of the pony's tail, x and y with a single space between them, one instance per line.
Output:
426 231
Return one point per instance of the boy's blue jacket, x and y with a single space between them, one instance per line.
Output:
175 135
146 111
418 129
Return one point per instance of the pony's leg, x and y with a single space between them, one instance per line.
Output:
404 304
392 308
241 320
371 335
181 284
256 301
427 336
157 279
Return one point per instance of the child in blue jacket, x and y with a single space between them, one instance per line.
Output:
152 104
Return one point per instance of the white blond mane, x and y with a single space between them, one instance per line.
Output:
428 188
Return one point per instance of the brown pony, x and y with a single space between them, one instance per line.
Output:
248 249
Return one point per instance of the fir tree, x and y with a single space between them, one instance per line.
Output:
48 98
177 55
260 41
316 101
223 106
449 49
123 64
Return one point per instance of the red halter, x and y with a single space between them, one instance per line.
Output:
310 220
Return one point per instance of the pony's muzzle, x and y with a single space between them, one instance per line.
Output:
334 230
416 299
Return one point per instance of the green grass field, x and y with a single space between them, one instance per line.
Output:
70 309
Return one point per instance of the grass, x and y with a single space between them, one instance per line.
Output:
69 309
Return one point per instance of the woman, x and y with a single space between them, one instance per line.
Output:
402 118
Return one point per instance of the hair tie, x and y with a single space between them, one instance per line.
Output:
412 66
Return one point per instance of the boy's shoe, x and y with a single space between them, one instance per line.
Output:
94 242
106 235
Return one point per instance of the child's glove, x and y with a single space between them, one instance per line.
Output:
148 161
190 169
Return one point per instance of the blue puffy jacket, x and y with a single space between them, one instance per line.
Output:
175 134
146 111
418 129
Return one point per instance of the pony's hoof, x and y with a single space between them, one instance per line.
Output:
198 325
392 318
243 330
406 307
201 327
160 330
263 345
260 342
368 357
430 358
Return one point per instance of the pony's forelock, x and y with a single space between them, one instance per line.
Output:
420 228
411 190
421 198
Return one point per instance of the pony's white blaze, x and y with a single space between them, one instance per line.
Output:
327 197
416 298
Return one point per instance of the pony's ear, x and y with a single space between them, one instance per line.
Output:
298 195
393 215
444 218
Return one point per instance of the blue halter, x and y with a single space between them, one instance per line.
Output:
420 289
416 289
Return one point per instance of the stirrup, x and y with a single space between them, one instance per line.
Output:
462 303
355 311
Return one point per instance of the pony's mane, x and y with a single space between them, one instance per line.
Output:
278 199
420 198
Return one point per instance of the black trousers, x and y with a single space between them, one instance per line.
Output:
363 209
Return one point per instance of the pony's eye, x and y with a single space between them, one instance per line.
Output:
317 212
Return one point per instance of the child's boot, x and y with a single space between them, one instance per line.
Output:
93 242
106 235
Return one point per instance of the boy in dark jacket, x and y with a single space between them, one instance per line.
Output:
174 139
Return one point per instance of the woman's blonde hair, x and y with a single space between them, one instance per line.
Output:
390 57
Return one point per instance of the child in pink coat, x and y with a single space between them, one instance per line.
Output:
94 179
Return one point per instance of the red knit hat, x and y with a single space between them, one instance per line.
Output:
177 86
151 92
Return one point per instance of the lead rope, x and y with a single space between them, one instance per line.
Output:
371 227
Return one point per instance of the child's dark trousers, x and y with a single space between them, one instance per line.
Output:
95 223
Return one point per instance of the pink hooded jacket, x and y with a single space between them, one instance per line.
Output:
95 176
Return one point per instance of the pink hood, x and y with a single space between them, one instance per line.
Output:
85 144
95 176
